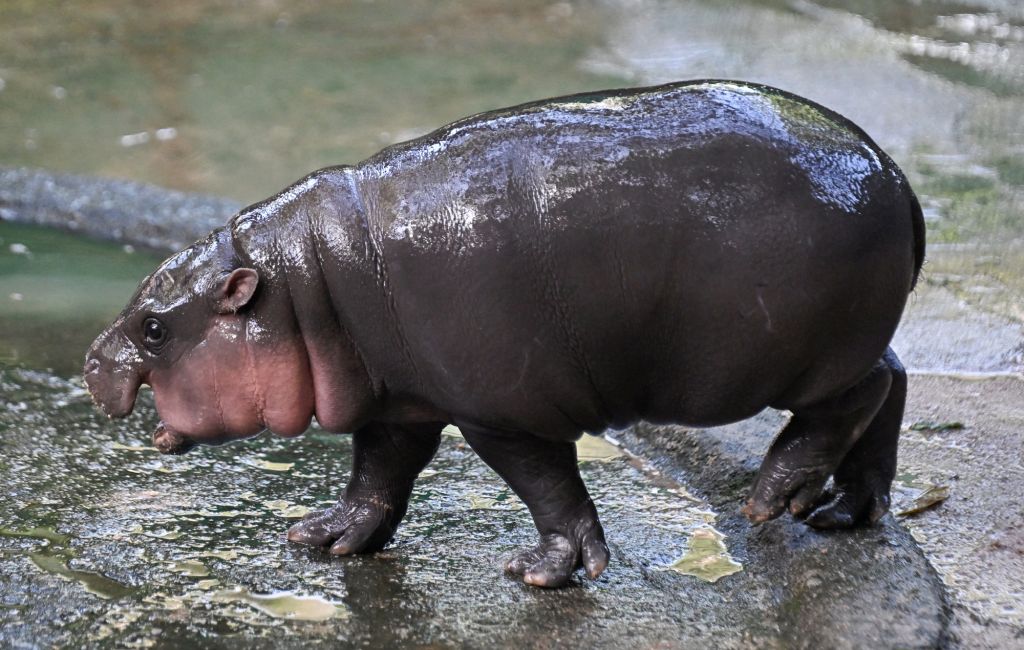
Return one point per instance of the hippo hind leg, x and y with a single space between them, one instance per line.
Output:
864 477
851 437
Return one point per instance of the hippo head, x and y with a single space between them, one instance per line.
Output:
203 333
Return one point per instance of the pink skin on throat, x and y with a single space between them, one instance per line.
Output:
228 387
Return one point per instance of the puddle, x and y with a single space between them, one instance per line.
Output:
54 557
93 582
707 557
283 605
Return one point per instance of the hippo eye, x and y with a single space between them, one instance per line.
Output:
154 333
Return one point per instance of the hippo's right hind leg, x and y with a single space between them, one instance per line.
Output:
851 437
864 477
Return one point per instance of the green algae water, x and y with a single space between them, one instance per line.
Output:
58 291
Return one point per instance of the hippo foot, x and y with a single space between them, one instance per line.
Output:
843 505
849 504
779 487
361 523
552 562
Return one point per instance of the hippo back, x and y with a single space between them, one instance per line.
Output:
677 253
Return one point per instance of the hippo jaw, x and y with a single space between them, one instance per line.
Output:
169 441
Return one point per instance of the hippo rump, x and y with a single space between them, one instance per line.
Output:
690 253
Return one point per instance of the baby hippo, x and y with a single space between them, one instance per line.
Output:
691 253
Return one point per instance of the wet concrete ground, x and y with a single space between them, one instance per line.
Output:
973 539
105 543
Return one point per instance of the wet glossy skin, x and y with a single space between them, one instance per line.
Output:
690 253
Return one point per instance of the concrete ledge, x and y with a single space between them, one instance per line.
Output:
114 210
870 587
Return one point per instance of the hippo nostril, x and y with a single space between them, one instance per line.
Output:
92 365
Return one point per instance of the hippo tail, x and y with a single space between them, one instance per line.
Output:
918 222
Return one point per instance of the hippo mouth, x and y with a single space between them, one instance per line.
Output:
169 441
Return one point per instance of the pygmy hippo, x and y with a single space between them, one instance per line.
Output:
689 253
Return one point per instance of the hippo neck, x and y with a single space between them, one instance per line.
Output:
312 243
278 238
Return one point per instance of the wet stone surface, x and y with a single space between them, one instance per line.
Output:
106 543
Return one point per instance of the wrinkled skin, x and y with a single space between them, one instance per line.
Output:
691 253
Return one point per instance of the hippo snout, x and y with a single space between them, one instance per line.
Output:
112 379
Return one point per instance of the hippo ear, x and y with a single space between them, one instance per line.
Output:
237 290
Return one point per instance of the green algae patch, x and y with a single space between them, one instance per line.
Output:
930 426
123 447
190 568
284 605
271 466
41 533
282 508
477 502
294 512
595 448
707 558
55 561
451 432
167 535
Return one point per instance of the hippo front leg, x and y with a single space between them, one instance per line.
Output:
386 459
545 475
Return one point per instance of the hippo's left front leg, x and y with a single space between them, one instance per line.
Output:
545 475
386 459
